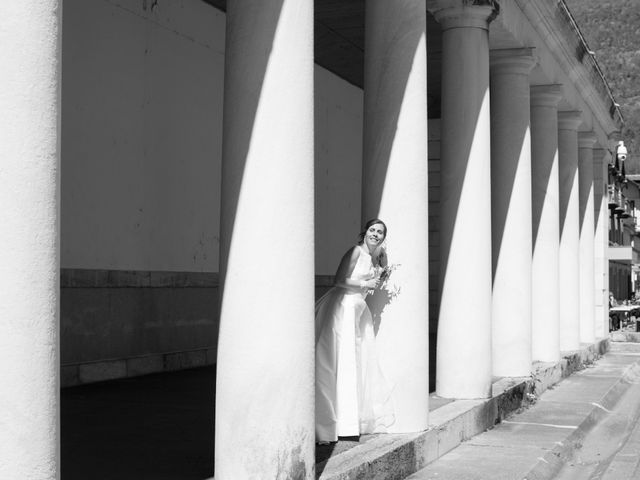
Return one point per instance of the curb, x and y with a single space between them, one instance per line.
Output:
553 461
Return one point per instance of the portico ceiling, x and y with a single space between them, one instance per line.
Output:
339 44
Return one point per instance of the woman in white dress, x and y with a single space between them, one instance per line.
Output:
352 397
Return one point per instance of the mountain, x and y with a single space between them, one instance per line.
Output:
612 31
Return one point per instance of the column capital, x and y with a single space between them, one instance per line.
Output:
586 139
517 61
569 120
546 95
463 13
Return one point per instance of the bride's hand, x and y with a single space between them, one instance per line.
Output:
371 283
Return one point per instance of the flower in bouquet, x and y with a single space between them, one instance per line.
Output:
385 273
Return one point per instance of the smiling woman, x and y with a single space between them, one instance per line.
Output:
352 396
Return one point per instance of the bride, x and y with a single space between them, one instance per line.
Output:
352 397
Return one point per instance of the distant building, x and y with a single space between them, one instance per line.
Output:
178 181
624 228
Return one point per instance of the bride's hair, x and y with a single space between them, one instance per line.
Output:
373 221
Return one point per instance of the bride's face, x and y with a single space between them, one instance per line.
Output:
374 236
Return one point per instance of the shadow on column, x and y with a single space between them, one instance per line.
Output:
506 177
583 195
541 173
452 185
251 29
599 192
568 179
377 153
250 88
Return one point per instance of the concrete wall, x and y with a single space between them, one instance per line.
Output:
338 168
434 225
141 153
141 135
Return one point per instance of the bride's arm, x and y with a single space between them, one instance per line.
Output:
345 269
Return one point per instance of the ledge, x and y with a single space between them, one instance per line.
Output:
75 374
96 278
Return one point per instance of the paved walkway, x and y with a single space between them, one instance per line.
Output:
577 430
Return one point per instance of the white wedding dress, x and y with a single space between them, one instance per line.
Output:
352 397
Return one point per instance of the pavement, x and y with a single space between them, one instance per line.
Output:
585 427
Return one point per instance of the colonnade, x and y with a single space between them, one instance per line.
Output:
516 210
517 224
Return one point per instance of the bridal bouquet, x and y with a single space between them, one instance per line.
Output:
383 274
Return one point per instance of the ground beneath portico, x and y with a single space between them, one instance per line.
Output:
158 426
162 426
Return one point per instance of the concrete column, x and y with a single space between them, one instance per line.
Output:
265 370
569 252
511 211
601 241
463 368
395 189
586 141
545 326
29 243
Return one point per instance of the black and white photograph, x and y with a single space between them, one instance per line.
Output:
319 240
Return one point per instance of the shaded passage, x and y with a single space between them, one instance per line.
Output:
158 426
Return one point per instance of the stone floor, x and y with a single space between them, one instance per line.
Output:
153 427
158 426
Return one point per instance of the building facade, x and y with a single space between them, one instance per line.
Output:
180 179
624 249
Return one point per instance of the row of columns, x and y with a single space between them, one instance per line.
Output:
533 219
273 333
264 419
516 208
